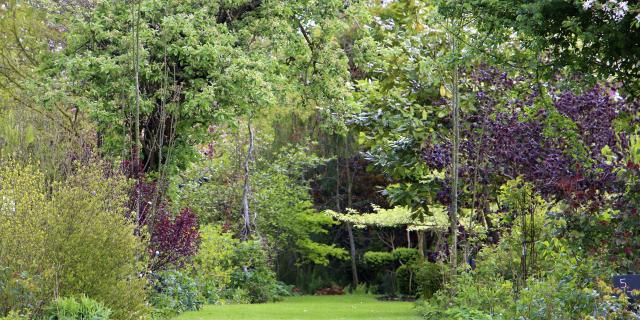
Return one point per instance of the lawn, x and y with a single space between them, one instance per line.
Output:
310 308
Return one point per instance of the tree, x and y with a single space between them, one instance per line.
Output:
599 39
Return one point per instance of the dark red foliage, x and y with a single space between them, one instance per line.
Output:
174 238
520 135
133 168
506 138
143 196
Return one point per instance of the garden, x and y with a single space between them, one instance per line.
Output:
319 159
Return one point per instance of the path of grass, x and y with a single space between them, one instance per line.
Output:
348 307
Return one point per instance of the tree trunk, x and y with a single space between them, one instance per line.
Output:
352 243
421 243
246 215
523 256
454 169
136 65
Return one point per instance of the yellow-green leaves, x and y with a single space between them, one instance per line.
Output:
70 239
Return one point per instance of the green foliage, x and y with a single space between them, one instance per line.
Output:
29 136
212 187
406 255
406 280
379 259
420 277
14 316
314 281
452 313
213 263
564 284
73 240
360 289
82 308
395 217
253 274
176 292
201 63
285 211
284 214
582 38
237 296
383 258
429 277
18 292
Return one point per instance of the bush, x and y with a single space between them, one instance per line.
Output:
71 239
213 264
563 285
395 270
406 280
176 292
360 289
406 255
429 277
253 274
15 316
421 278
452 313
378 259
237 296
76 309
17 291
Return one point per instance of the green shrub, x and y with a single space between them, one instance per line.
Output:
452 313
406 255
563 284
176 292
76 309
237 296
213 264
254 275
316 281
17 291
360 289
378 259
429 277
406 280
71 239
395 270
13 315
421 278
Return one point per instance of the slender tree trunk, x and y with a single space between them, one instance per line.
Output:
533 241
135 150
246 214
352 251
454 166
352 243
136 65
421 243
523 256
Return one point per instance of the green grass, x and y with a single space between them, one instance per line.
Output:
351 307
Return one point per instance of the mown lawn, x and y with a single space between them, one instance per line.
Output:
351 307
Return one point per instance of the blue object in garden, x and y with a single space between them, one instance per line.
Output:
627 283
